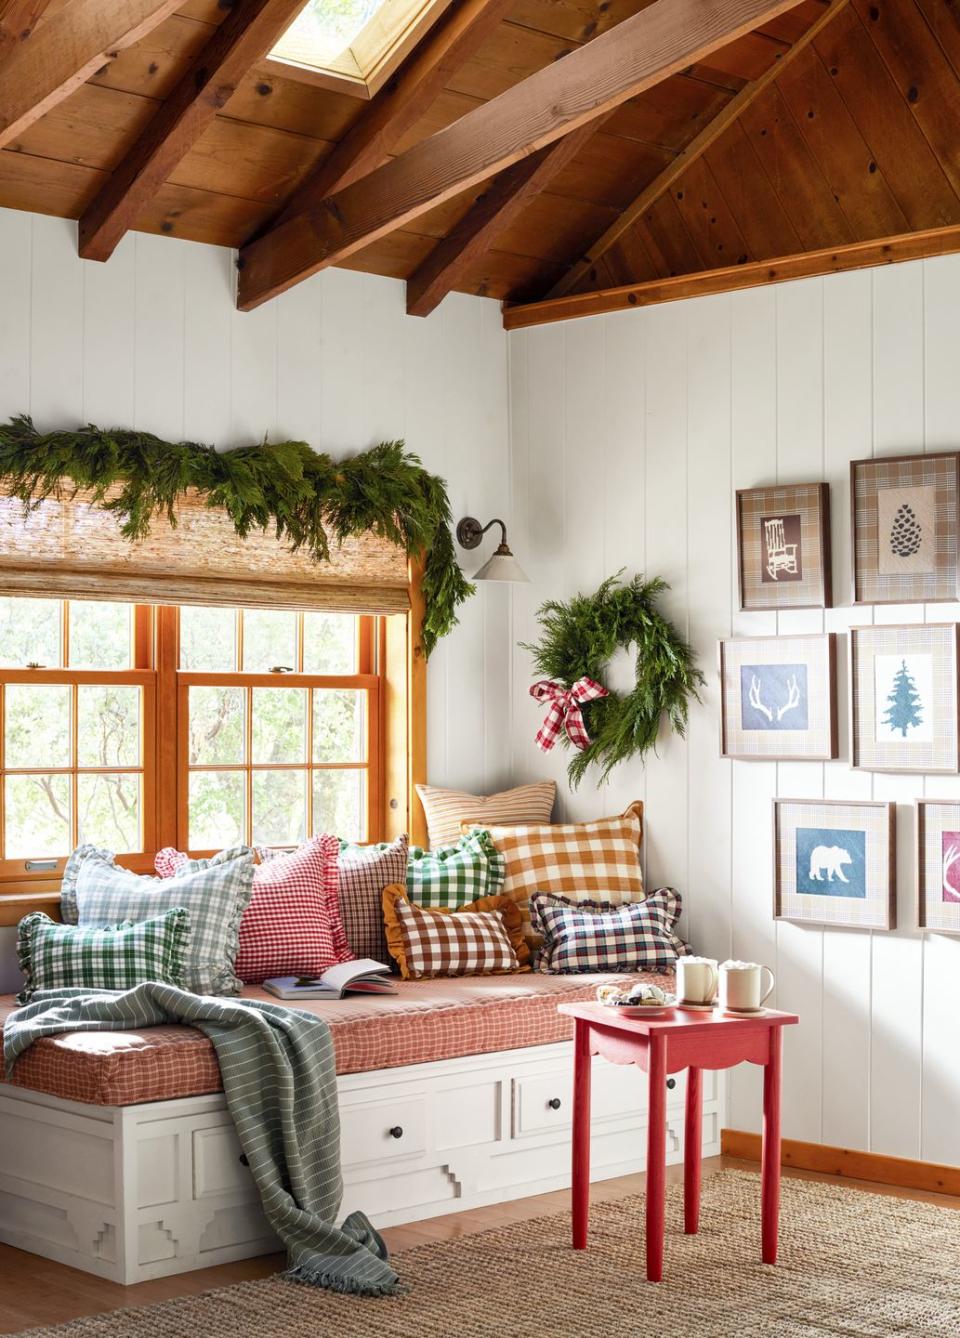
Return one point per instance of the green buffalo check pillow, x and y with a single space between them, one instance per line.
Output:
454 875
55 956
97 893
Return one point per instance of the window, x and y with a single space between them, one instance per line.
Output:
132 728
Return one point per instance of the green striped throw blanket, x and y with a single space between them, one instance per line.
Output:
280 1084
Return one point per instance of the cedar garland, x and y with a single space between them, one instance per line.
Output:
308 499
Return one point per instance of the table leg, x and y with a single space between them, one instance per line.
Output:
770 1182
656 1154
692 1143
581 1134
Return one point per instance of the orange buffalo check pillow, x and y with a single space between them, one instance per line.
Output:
484 937
598 861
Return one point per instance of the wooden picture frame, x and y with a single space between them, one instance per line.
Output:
910 669
783 547
936 821
822 848
758 708
912 503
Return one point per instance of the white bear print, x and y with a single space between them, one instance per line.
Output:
829 860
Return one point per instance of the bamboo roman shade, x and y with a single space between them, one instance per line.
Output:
72 549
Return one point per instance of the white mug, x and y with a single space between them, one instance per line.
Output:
741 986
697 979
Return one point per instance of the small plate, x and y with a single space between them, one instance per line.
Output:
743 1012
697 1008
642 1010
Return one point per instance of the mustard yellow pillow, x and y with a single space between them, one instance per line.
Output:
484 937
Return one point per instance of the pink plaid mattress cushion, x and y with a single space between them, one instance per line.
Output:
427 1020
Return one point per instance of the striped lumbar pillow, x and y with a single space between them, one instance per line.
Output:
463 872
482 938
596 936
447 810
57 956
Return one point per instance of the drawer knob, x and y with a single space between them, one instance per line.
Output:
396 1131
671 1084
554 1103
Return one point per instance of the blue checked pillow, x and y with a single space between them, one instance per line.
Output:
598 936
54 956
97 893
454 875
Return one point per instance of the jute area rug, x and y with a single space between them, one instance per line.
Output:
852 1263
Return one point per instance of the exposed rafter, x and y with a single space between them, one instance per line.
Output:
18 18
72 45
503 200
697 147
591 81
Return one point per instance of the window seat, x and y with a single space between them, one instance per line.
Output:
426 1021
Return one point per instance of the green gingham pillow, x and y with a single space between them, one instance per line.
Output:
54 956
97 892
454 875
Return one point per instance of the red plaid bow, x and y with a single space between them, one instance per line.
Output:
564 711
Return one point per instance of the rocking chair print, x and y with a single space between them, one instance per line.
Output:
781 556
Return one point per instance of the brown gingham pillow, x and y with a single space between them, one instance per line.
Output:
364 872
446 810
599 859
596 936
484 937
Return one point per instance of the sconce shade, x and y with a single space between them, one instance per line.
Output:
503 566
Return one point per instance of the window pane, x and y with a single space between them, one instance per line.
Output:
37 725
339 803
279 807
108 811
101 635
339 726
269 639
37 819
30 632
217 725
217 809
108 726
208 640
279 725
329 643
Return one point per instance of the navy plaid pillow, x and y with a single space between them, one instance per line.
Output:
597 936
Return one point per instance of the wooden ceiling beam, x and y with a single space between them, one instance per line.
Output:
592 80
697 147
18 18
733 278
251 30
397 107
72 44
504 200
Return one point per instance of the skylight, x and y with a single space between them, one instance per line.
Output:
324 30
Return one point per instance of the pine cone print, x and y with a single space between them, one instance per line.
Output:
905 533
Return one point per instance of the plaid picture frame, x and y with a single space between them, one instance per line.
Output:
597 936
940 474
769 683
834 863
938 865
795 572
932 743
57 956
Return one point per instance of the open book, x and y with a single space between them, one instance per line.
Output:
363 977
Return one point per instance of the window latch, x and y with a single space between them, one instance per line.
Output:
39 865
281 669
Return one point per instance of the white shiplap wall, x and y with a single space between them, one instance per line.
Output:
152 340
630 433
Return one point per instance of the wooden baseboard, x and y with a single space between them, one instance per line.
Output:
846 1162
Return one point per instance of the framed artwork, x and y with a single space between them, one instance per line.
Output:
938 865
904 528
903 689
834 863
783 546
778 697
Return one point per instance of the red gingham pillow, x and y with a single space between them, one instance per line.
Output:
292 926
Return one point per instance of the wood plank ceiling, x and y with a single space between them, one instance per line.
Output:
757 151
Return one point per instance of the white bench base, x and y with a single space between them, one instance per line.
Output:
131 1193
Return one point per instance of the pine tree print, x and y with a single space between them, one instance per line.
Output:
905 533
904 706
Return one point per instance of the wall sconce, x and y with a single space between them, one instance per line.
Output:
503 566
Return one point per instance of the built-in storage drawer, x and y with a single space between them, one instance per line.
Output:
383 1129
544 1101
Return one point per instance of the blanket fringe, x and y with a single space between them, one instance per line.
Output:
337 1282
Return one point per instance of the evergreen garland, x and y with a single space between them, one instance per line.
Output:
309 500
579 638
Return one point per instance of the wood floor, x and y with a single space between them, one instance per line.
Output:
35 1292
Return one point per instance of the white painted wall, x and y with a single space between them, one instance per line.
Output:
630 434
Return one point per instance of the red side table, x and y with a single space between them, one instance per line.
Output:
693 1041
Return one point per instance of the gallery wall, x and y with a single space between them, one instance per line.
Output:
630 434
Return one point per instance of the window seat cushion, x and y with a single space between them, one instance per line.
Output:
427 1020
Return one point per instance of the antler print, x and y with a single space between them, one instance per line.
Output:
793 697
755 701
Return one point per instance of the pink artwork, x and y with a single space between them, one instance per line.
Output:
951 866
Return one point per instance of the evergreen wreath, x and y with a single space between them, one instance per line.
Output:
579 639
310 500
